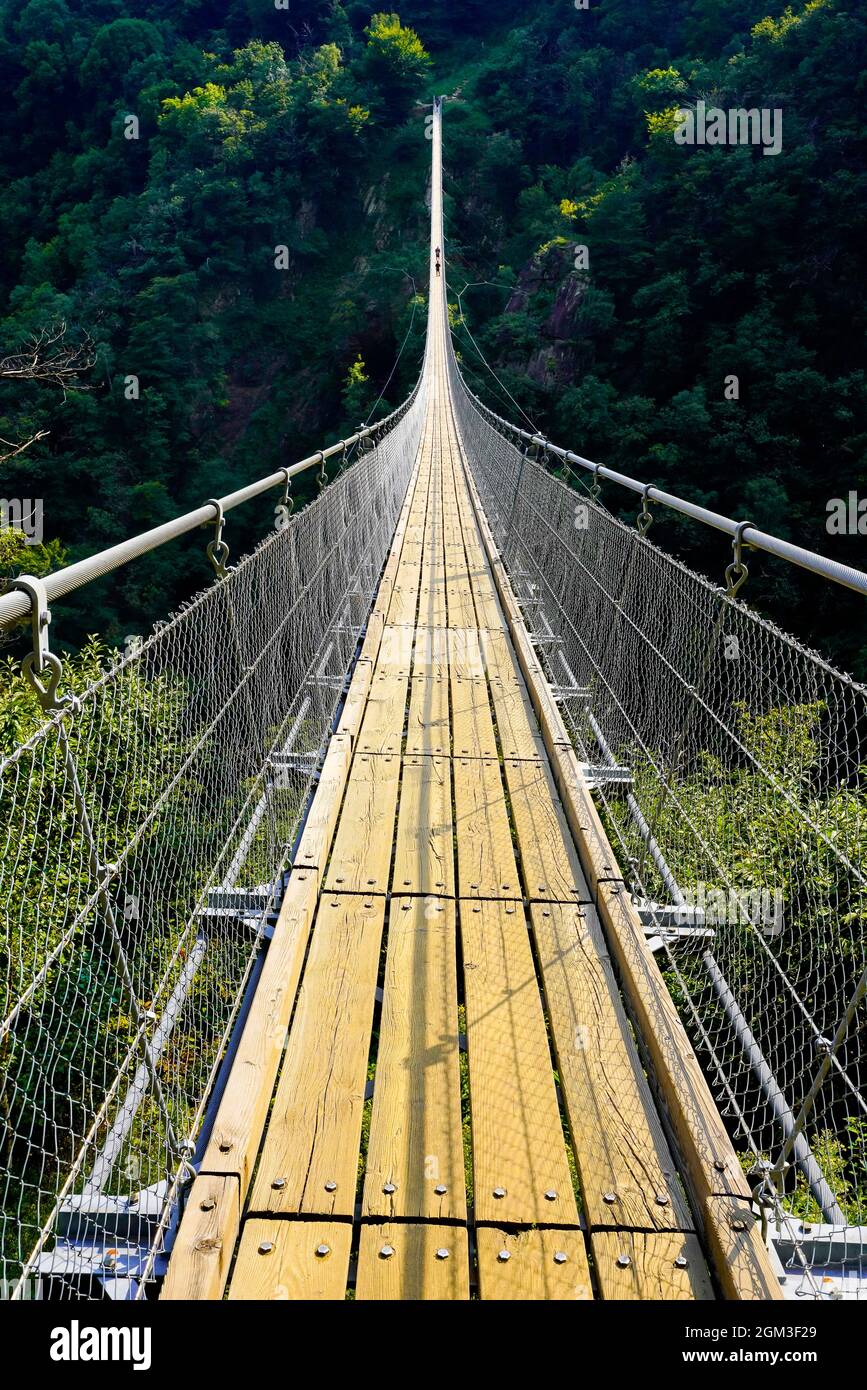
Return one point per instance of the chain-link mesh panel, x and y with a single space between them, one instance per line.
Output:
730 766
146 829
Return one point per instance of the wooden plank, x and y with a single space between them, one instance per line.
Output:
498 655
627 1173
430 655
486 859
415 1161
519 1153
306 1261
243 1109
462 609
488 611
315 842
309 1160
432 605
541 1265
403 606
353 709
662 1266
516 722
423 850
203 1247
738 1253
428 720
414 1270
362 847
382 728
465 654
549 860
395 652
472 722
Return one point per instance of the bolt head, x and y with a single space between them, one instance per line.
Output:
504 1255
720 1165
499 1192
681 1262
550 1195
322 1251
623 1261
560 1257
661 1199
278 1183
609 1198
440 1189
388 1188
386 1251
266 1247
207 1205
331 1186
738 1225
442 1253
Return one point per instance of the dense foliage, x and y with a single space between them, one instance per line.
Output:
248 265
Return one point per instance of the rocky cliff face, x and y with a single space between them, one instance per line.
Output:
554 362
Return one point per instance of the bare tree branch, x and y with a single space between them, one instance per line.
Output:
13 449
48 357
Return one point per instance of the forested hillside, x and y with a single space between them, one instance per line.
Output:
222 204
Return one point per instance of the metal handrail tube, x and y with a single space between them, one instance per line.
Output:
16 605
752 536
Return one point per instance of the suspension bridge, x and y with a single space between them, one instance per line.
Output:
360 936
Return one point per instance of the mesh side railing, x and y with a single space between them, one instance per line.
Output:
146 829
730 764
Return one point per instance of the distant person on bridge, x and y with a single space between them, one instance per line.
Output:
438 260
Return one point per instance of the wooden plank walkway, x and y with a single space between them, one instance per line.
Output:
437 1093
443 906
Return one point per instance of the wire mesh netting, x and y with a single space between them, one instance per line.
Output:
729 763
147 826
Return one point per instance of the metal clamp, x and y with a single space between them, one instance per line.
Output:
283 509
595 486
737 572
41 661
321 476
218 551
645 516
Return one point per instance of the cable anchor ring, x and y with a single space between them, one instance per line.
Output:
737 573
645 516
218 550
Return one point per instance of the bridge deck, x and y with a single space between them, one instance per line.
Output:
451 962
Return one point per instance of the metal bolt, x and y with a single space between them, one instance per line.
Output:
739 1225
499 1192
278 1183
225 1146
550 1195
387 1251
331 1186
560 1257
609 1198
388 1188
207 1205
503 1256
323 1250
266 1247
623 1261
720 1165
442 1253
440 1189
681 1262
661 1199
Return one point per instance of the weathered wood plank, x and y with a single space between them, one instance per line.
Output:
423 851
486 859
549 860
415 1162
203 1247
362 847
315 842
628 1176
306 1261
516 722
424 1263
520 1167
738 1253
382 727
309 1160
657 1266
541 1265
473 726
427 729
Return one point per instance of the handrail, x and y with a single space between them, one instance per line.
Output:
749 535
16 605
